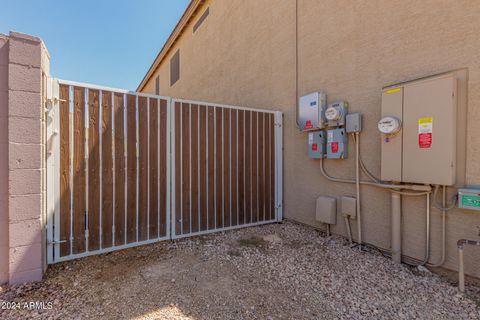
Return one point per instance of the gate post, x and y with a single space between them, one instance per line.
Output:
279 165
53 167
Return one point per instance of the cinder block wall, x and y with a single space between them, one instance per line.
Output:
23 64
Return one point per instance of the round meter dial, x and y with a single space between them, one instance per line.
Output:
332 114
389 125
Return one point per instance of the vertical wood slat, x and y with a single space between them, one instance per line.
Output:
234 168
93 171
261 175
211 167
267 167
248 167
203 168
131 169
186 146
142 168
196 193
120 210
178 166
163 168
272 167
154 168
79 243
241 166
107 174
64 171
254 167
219 169
226 168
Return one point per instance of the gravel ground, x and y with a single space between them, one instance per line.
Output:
281 271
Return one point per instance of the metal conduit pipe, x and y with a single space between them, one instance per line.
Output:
444 214
349 229
357 186
396 208
461 272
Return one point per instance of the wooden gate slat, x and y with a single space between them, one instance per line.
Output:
131 170
248 168
211 167
261 175
233 169
267 167
226 167
93 171
203 168
154 168
272 167
79 171
143 168
64 171
219 169
254 167
186 146
194 168
120 210
241 167
163 168
178 166
107 175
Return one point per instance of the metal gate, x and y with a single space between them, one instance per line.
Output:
127 168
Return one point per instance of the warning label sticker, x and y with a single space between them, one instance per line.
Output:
334 147
425 132
308 124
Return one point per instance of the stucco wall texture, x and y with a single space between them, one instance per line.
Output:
244 54
23 62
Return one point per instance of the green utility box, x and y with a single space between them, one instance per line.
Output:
469 199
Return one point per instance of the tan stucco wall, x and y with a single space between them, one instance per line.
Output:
244 54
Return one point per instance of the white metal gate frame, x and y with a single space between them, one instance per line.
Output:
278 136
53 167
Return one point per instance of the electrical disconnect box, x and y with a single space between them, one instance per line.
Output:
316 144
311 111
336 143
418 128
335 113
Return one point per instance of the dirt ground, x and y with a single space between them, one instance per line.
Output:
279 271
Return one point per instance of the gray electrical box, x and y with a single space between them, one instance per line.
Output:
337 143
353 122
335 113
311 108
469 199
418 128
326 210
349 207
316 144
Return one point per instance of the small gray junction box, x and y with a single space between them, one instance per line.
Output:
316 144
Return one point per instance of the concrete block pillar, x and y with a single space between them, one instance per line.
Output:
25 149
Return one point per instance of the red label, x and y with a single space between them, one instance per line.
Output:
334 147
425 140
314 147
308 125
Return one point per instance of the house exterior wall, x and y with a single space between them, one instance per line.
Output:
244 54
24 63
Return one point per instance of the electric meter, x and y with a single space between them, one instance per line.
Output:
335 113
332 114
389 125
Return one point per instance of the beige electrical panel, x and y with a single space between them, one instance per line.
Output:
419 131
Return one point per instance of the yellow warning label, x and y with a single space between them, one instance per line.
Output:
425 120
392 90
